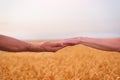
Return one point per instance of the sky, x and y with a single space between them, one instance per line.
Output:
57 19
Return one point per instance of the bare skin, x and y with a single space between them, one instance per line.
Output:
107 44
15 45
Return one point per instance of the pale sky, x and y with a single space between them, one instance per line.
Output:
56 19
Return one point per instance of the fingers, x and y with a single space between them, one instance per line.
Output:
53 49
54 44
57 44
62 43
56 49
50 46
70 42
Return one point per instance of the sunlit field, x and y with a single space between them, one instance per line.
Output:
71 63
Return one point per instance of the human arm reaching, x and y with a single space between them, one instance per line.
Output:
15 45
108 44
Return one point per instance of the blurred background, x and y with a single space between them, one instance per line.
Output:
58 19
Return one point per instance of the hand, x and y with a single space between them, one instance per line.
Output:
51 46
70 41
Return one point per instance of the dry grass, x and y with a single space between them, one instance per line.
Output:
71 63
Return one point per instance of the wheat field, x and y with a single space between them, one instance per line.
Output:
71 63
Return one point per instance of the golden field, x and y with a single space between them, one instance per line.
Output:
71 63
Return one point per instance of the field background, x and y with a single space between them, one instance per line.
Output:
71 63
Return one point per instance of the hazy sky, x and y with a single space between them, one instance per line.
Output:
50 19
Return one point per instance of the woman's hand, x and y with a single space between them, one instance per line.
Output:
70 41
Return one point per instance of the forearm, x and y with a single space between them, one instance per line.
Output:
103 44
15 45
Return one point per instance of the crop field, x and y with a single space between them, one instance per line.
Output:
71 63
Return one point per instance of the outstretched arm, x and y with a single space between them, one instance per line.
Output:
15 45
110 44
12 44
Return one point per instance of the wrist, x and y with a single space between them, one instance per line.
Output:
36 47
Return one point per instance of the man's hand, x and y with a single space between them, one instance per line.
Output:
51 46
